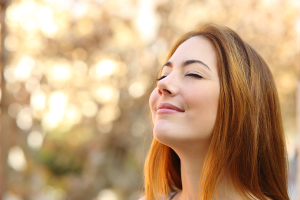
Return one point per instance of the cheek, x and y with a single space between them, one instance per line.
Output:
209 99
153 102
205 96
204 106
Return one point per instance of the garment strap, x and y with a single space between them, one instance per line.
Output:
173 194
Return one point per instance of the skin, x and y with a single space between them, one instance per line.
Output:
189 133
198 96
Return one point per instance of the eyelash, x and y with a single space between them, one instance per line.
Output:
193 75
161 78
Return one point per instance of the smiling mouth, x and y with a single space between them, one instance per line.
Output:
168 108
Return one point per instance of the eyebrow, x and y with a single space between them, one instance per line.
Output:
187 62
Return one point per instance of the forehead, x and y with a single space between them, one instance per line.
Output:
197 47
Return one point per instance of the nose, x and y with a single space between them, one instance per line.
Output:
167 86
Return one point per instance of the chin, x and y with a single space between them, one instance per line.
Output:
164 135
170 136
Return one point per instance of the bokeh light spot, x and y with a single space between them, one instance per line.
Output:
11 196
147 22
60 72
32 84
35 139
107 194
72 115
16 158
57 108
106 68
24 119
108 114
9 74
136 89
11 43
24 67
38 100
107 94
89 109
80 68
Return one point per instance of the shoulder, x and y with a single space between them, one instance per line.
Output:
142 198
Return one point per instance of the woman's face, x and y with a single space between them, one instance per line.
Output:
185 102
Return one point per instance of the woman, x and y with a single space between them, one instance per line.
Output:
217 124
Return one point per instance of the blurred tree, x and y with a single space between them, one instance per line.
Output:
76 77
5 120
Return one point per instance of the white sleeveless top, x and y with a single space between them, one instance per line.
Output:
171 195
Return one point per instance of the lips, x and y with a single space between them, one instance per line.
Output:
169 107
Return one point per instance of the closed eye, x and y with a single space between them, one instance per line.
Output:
194 75
161 78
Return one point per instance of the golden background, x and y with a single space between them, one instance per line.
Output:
77 75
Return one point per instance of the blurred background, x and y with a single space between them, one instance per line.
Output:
77 75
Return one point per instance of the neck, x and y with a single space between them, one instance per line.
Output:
190 175
192 161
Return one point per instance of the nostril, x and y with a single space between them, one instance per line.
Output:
159 92
165 91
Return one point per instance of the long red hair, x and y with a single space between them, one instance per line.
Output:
248 139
